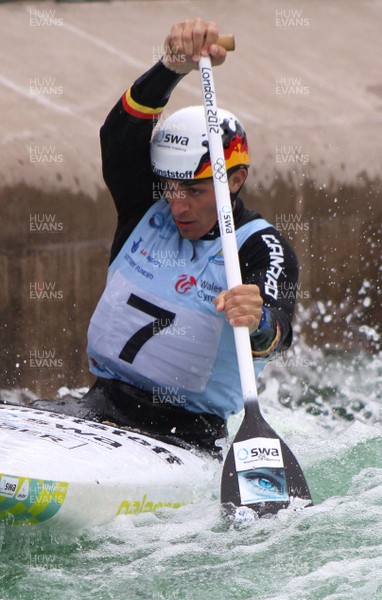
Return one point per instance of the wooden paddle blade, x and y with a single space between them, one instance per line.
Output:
260 471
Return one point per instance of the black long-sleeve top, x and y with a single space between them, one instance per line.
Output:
125 144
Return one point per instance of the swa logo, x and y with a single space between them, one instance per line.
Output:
185 283
171 138
243 453
263 452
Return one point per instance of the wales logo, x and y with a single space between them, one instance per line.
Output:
185 283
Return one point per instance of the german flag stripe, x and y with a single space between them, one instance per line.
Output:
273 345
138 110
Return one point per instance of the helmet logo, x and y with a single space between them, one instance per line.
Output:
185 283
171 138
168 137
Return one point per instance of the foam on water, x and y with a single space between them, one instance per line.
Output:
330 551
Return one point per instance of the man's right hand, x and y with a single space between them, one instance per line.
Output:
190 40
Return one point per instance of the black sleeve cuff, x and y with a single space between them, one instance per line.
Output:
154 87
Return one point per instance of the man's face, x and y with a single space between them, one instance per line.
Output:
192 205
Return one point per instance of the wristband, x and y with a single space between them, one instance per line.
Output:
268 332
271 347
264 324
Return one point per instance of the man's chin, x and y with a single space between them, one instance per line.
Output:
187 230
188 236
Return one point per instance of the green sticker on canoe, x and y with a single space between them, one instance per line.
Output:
30 501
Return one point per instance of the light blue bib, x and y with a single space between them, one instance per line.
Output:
156 326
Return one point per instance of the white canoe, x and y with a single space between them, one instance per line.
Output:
73 473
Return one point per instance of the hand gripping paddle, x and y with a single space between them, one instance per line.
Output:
259 471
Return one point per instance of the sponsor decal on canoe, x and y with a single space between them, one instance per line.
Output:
30 501
72 433
133 507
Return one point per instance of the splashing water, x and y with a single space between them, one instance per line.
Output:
326 406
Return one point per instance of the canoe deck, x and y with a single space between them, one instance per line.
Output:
63 470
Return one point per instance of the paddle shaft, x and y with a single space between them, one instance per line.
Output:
226 224
253 425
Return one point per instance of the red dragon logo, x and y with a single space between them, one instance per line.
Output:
185 283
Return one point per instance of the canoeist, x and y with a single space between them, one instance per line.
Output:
160 341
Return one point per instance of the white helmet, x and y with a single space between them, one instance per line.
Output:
179 145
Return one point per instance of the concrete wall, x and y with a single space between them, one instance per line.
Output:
312 105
